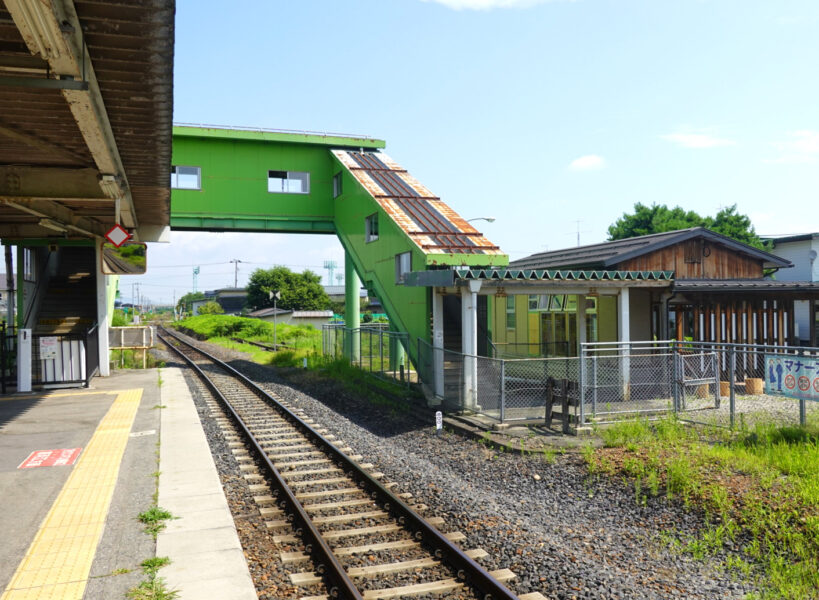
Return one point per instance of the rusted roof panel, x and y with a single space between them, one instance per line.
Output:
426 219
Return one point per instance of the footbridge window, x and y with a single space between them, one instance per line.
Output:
186 178
288 182
371 228
403 265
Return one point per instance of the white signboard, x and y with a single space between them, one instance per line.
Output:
48 348
439 420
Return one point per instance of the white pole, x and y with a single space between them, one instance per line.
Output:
624 337
438 342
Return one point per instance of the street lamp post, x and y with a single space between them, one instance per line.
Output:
275 296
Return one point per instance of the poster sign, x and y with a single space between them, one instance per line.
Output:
792 376
51 458
48 348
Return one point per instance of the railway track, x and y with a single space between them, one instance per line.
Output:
356 538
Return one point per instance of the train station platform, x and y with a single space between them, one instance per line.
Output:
77 467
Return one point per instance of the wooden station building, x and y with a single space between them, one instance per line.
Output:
721 290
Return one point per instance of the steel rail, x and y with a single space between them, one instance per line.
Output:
327 565
446 551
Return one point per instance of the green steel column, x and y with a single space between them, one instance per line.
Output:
352 309
397 355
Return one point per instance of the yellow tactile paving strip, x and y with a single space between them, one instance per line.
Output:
59 559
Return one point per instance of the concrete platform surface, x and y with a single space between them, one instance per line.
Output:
71 531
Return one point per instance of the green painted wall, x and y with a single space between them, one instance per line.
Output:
235 164
408 308
234 197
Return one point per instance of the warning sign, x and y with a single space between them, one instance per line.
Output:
51 458
794 376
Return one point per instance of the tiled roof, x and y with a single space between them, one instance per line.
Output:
610 254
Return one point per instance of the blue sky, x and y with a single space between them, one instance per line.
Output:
541 114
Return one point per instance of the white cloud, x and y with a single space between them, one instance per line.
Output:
590 162
802 146
697 140
488 4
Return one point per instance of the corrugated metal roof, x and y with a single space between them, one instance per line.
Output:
426 219
745 285
450 277
558 275
608 254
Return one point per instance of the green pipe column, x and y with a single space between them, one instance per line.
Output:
352 309
397 355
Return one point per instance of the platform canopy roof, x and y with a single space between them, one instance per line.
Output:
86 101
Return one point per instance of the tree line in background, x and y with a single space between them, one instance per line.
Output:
658 218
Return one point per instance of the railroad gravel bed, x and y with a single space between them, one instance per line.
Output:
565 534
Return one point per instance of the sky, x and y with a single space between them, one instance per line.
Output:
554 117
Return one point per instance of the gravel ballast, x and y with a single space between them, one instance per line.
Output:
565 534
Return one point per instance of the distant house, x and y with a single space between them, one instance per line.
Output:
314 318
802 251
6 297
232 300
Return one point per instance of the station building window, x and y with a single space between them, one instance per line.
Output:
288 182
371 228
186 178
511 319
337 191
403 265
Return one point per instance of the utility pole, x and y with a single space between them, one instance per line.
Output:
235 262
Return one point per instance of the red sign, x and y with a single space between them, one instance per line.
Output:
804 383
790 382
51 458
117 235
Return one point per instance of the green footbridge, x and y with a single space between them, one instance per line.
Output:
388 223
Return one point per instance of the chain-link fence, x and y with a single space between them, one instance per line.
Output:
750 384
715 384
371 348
622 378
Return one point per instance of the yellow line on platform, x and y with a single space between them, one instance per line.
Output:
59 559
83 392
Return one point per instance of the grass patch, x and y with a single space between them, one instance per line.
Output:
298 337
154 587
757 488
154 519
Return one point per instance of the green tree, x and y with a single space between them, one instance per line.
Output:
185 301
658 218
211 308
299 291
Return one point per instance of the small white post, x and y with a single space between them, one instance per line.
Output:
24 360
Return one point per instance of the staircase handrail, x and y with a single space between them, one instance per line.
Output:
38 285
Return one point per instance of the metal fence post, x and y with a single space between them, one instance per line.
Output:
732 379
674 377
503 391
803 417
594 385
582 385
